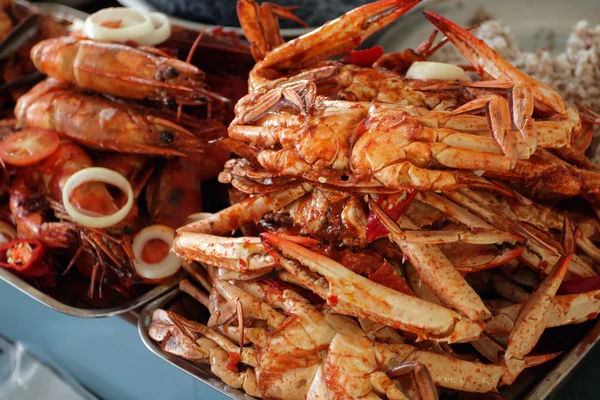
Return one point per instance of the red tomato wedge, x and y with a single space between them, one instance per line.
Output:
28 146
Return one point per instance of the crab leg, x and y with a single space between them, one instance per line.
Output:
446 371
352 294
534 314
491 66
237 254
435 270
566 309
454 210
504 115
251 209
507 288
521 103
448 236
480 233
493 351
536 251
252 307
498 113
337 36
189 288
260 25
425 385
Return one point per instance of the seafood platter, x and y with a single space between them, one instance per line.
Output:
333 222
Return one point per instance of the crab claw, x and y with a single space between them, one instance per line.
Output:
339 35
241 254
351 294
435 270
490 65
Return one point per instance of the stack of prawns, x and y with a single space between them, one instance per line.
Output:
119 106
374 211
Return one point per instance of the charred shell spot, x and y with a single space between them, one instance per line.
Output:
167 137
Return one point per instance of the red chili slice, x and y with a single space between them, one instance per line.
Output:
393 208
580 285
23 257
364 58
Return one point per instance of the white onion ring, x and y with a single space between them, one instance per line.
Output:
161 32
426 70
135 25
162 269
97 174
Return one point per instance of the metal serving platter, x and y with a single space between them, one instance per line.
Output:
50 302
533 384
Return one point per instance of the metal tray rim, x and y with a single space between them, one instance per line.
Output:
544 389
50 302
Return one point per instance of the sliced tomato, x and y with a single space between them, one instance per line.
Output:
23 257
28 146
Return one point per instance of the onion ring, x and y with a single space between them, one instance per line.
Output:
162 30
135 25
165 267
97 174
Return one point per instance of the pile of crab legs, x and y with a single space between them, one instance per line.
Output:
120 107
375 209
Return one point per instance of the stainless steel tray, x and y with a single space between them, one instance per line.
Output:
50 302
529 385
